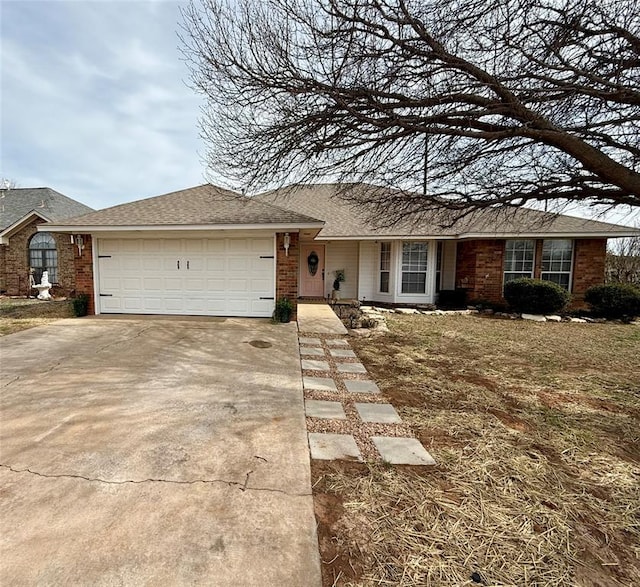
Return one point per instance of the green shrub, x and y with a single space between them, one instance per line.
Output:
535 296
614 300
283 310
80 305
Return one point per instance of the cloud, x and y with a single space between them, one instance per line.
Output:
94 103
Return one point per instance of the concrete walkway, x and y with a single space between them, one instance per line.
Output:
347 417
319 318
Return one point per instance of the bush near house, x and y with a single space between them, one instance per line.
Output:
614 300
283 310
535 296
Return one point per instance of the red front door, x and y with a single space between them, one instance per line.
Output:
312 271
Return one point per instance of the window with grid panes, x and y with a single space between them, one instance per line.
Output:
385 266
518 259
557 260
43 256
414 268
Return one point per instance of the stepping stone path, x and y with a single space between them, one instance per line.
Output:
348 400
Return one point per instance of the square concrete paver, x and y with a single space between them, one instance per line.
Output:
336 342
315 365
323 409
344 353
362 386
311 341
311 351
351 368
319 383
402 451
329 447
379 413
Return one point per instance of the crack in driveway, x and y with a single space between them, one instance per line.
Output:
240 486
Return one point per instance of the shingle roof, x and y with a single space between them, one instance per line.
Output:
343 219
16 203
203 205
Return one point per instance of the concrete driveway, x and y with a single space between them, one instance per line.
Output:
154 452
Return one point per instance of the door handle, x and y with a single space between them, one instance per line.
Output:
187 264
178 263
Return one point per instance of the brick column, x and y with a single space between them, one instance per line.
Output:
479 269
287 269
84 272
588 267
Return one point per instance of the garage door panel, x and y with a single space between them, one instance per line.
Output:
238 307
131 284
170 264
237 246
195 285
237 285
215 264
151 245
172 246
260 285
133 304
261 308
109 304
196 264
110 284
239 264
131 246
194 246
214 285
174 304
153 305
262 246
152 263
215 246
130 263
225 277
152 284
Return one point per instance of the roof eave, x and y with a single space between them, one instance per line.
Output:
20 223
479 235
97 228
565 234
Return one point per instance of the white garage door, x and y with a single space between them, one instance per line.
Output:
206 277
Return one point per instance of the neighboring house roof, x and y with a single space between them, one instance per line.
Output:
198 207
16 203
18 206
346 220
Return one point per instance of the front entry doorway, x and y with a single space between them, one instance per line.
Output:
312 271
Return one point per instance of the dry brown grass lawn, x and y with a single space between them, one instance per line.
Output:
20 314
536 431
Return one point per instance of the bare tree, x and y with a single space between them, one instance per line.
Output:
623 261
469 104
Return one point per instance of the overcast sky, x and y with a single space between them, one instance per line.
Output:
94 101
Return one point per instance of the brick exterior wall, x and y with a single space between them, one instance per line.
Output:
84 272
3 273
589 257
14 263
479 268
287 269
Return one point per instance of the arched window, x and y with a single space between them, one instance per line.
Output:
43 256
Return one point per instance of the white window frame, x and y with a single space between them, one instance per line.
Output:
42 265
384 245
427 281
550 272
510 271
